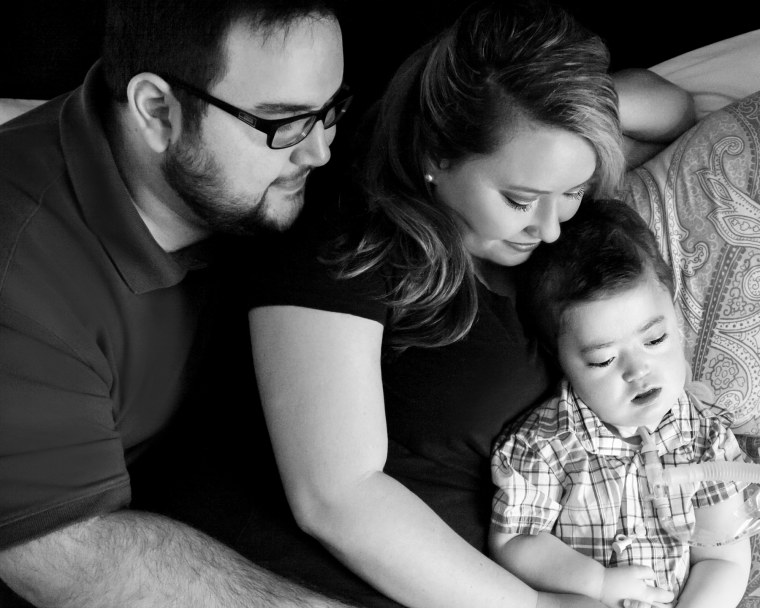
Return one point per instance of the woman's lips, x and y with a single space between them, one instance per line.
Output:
523 247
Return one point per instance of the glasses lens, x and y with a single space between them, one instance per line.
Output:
291 133
336 112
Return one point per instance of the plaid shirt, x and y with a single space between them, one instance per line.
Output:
563 471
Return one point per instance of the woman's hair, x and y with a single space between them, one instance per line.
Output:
605 249
456 97
185 39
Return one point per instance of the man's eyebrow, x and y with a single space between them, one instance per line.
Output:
282 107
652 322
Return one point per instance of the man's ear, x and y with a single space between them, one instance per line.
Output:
154 110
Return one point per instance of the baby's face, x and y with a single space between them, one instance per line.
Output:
623 355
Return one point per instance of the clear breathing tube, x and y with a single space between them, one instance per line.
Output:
733 519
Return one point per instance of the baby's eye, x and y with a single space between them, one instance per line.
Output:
577 195
602 363
659 340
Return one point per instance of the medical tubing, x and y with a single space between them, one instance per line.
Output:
713 470
660 478
656 485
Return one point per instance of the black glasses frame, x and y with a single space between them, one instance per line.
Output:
270 127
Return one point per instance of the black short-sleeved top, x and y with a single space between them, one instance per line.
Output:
98 325
445 405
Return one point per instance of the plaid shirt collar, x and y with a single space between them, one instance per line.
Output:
676 428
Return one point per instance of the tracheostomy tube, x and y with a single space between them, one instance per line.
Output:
736 517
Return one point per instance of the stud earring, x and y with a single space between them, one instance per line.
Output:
428 178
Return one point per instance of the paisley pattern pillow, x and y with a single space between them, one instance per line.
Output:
701 197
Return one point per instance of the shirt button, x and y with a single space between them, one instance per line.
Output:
640 530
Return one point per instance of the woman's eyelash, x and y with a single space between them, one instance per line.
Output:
578 194
517 205
659 340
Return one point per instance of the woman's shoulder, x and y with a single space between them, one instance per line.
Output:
303 267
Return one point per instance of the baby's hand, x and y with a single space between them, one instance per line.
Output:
628 583
635 604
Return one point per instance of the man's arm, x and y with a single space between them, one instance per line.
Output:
142 560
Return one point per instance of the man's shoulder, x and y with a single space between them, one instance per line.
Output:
32 169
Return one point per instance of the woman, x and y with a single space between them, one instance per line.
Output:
385 368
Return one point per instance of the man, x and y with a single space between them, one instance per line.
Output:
203 117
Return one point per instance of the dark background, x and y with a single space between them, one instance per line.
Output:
47 45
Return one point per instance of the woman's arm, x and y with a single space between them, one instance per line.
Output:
719 575
321 389
548 564
653 112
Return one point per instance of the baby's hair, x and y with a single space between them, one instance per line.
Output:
604 249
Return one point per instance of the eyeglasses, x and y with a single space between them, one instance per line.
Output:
282 132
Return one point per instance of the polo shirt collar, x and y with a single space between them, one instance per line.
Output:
105 202
675 428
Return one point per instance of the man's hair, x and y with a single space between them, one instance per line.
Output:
185 38
605 249
460 96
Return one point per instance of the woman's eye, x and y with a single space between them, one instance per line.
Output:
602 363
578 194
657 341
518 205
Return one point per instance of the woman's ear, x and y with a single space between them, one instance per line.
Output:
154 110
433 169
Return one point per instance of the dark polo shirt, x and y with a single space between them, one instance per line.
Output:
98 325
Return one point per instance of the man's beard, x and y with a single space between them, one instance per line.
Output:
198 180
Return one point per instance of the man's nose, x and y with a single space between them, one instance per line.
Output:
314 150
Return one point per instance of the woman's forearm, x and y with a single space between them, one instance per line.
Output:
143 560
393 540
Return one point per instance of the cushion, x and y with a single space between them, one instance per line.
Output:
10 108
716 74
701 197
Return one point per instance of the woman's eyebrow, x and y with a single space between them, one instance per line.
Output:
529 190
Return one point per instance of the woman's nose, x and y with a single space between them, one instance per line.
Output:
545 224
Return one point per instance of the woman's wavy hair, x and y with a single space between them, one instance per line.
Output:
456 97
186 39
